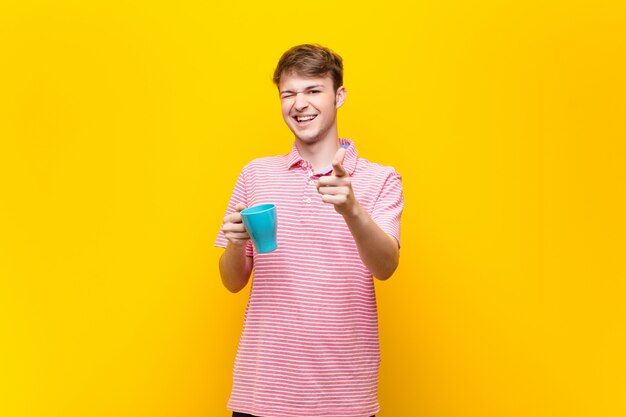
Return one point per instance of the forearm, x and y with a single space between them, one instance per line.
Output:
378 250
235 267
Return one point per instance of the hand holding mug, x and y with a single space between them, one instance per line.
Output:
233 227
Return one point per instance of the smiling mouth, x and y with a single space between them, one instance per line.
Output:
303 119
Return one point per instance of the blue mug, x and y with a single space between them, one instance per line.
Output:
260 223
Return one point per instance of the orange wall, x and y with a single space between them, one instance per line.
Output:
123 127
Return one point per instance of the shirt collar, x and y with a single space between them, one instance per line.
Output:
349 161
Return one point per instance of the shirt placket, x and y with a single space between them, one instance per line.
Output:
310 194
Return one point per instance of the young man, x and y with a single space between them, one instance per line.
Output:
309 345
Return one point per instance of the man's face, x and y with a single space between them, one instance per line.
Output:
309 106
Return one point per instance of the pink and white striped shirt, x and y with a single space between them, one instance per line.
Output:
309 345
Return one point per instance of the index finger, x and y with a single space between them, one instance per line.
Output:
234 217
338 169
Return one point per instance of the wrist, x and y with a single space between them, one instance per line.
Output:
355 212
237 247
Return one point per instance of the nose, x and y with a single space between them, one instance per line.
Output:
300 102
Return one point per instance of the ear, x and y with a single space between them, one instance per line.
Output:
340 96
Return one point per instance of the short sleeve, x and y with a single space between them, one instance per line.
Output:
239 195
389 205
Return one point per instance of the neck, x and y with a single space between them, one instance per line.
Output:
320 153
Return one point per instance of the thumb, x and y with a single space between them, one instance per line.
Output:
338 169
239 207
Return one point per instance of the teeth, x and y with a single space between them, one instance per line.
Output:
304 118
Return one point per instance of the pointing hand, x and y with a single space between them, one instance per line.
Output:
336 189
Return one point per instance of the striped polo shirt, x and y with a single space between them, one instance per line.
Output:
309 344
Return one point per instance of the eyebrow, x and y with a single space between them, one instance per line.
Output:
311 87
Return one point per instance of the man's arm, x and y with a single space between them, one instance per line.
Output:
235 266
378 250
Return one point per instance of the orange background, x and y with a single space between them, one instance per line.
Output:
123 126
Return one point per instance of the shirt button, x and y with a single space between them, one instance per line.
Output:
312 182
308 200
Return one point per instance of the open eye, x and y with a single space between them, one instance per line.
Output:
314 91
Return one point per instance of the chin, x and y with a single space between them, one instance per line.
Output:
308 137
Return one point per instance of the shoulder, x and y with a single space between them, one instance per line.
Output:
266 163
375 171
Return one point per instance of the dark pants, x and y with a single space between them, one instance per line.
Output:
236 414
